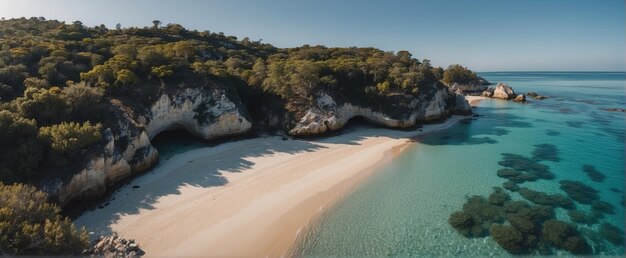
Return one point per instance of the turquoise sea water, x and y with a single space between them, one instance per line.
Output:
404 208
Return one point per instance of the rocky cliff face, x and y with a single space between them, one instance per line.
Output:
207 115
211 113
127 149
326 115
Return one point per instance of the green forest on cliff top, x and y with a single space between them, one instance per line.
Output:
58 81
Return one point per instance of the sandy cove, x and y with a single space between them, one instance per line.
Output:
246 198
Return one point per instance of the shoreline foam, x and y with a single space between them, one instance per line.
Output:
245 198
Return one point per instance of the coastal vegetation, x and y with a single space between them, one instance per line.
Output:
29 225
59 81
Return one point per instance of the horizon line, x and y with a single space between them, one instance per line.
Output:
554 71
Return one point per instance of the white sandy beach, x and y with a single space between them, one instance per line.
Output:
244 198
474 100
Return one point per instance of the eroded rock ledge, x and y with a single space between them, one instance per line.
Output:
327 115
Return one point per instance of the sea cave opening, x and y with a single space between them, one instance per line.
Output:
359 122
176 141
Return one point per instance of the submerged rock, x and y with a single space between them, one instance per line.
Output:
614 109
509 238
581 217
564 236
546 151
603 207
612 234
511 186
554 200
521 163
579 192
498 197
593 174
476 217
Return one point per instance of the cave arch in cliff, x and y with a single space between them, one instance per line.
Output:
360 122
174 140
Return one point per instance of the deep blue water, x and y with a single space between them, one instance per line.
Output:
404 208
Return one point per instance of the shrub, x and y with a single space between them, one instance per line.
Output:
29 225
459 74
68 138
20 148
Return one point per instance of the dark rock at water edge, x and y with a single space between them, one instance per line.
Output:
114 246
534 95
520 98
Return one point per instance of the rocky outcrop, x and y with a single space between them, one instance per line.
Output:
126 148
327 115
114 246
520 98
534 95
462 106
503 91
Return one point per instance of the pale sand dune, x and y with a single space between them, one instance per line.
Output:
244 198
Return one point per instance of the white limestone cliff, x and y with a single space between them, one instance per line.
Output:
129 151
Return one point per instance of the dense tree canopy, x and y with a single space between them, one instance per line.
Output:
459 74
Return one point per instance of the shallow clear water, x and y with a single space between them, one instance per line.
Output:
404 208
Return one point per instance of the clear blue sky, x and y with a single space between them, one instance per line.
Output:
485 35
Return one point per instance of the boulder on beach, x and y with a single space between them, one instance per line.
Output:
503 91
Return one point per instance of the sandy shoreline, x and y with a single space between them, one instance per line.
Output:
244 198
475 100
